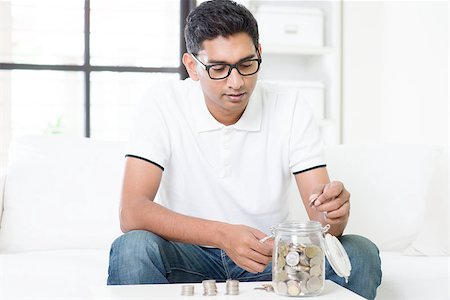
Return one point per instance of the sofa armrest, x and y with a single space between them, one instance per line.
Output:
2 190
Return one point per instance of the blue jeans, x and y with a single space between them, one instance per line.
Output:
140 257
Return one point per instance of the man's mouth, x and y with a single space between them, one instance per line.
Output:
235 96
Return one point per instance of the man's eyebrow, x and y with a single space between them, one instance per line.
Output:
224 62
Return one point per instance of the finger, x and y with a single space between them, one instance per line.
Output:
263 248
335 221
259 258
316 192
252 266
331 205
341 211
333 189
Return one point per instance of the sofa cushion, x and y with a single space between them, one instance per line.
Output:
61 193
434 235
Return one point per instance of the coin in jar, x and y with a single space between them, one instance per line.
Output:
281 262
293 288
281 287
316 260
283 249
315 270
281 276
312 251
314 284
292 258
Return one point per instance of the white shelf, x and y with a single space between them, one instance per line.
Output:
295 50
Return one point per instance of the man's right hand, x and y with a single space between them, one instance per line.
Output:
242 245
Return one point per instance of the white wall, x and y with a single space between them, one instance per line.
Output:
395 72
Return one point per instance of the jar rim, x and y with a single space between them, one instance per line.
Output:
293 226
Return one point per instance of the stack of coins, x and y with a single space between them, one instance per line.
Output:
210 287
232 287
187 290
299 269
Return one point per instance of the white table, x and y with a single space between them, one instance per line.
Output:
173 291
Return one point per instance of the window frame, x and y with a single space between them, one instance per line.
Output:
185 7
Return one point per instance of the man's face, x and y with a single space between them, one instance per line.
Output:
226 98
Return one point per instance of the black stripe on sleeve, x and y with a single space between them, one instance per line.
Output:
309 169
147 160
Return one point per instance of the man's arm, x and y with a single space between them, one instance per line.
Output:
138 211
333 204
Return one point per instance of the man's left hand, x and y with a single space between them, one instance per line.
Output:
333 201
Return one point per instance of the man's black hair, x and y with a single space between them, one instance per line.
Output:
218 18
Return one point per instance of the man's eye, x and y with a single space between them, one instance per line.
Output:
218 68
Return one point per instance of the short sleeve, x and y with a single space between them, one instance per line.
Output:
305 143
149 135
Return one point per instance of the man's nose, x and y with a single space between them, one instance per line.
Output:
235 80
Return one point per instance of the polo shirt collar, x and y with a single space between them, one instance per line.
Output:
249 121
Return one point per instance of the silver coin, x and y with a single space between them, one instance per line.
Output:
232 287
292 258
303 288
315 270
281 287
280 276
187 290
314 284
210 287
316 260
290 270
293 288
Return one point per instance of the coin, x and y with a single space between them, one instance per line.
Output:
314 284
281 276
292 258
232 287
315 270
283 249
290 270
303 289
281 262
210 287
293 288
301 268
282 287
312 251
316 260
187 290
304 260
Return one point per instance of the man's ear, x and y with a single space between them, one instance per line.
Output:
191 66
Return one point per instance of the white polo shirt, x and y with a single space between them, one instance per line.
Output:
237 174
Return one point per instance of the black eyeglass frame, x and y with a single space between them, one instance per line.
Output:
231 66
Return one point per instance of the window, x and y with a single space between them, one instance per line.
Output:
77 67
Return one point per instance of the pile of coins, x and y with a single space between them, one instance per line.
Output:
210 287
299 269
232 287
187 290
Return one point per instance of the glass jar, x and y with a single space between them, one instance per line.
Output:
298 265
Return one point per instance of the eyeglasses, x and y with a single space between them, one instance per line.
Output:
221 71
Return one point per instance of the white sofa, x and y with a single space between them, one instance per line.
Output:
60 215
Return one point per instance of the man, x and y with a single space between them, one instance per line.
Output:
220 149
